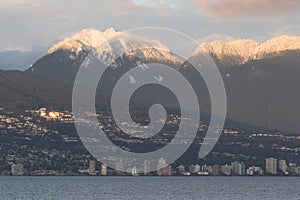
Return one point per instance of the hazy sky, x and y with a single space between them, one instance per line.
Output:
30 24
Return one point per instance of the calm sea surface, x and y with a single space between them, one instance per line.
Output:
150 188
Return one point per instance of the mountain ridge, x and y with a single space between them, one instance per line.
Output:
239 51
263 85
226 53
104 43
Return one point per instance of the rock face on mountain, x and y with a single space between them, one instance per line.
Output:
237 52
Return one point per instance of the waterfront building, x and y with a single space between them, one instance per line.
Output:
17 169
92 168
282 166
103 170
271 165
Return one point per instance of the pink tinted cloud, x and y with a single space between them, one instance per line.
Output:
242 8
154 6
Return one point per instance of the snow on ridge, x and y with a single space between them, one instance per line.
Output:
237 52
95 40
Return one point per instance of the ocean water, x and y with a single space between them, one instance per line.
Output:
150 188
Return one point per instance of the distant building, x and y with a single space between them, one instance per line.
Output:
134 171
206 169
282 166
238 168
161 163
242 168
181 169
292 168
146 167
215 170
165 171
42 112
103 170
92 168
194 169
254 171
298 170
162 168
271 165
235 167
226 170
17 169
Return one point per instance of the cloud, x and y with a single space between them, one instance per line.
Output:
284 30
214 37
252 8
30 23
26 24
73 6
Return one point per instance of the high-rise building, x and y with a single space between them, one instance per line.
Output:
103 170
235 167
17 170
207 169
92 168
181 169
161 163
134 171
226 170
238 168
162 168
242 168
215 170
165 171
271 165
146 167
282 166
196 169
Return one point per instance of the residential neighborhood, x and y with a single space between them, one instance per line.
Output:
45 142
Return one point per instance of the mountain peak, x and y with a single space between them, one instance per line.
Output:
99 44
93 38
276 45
232 52
237 52
110 32
86 37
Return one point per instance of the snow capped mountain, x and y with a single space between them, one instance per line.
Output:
237 52
114 48
106 43
275 46
230 53
266 82
86 37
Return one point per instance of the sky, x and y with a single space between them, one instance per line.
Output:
32 26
